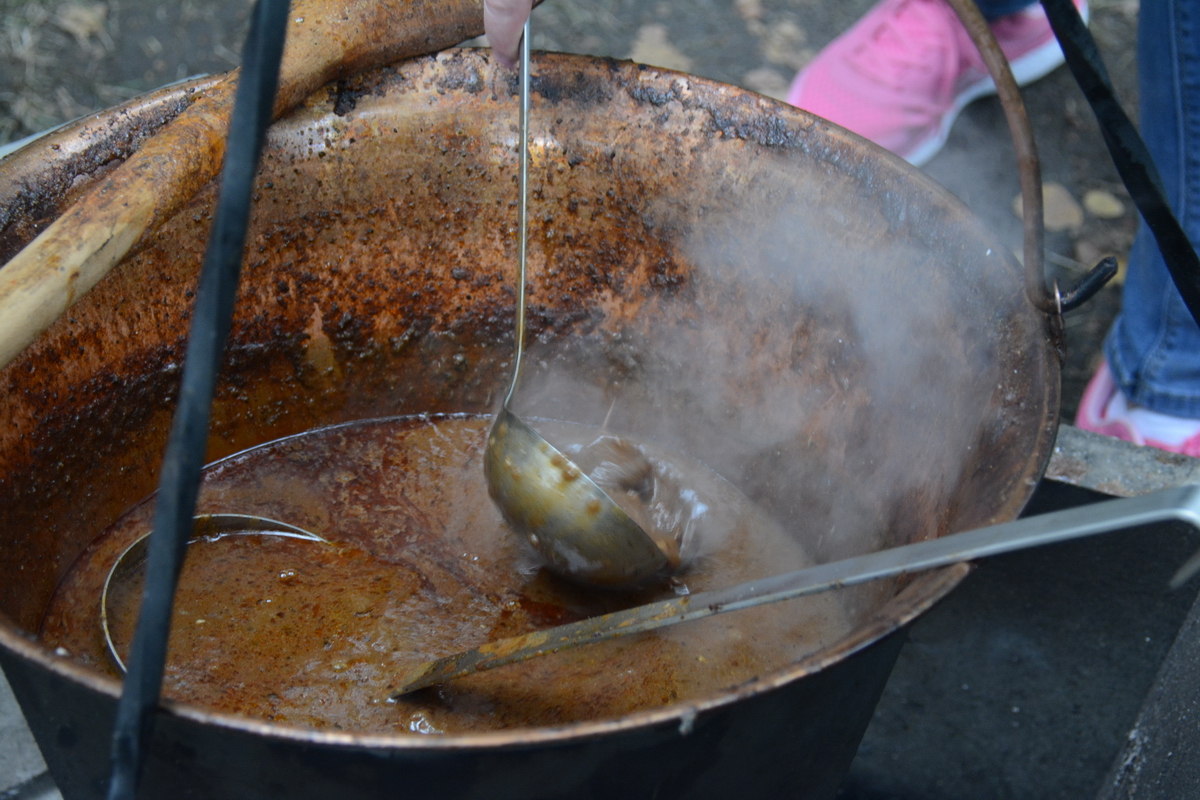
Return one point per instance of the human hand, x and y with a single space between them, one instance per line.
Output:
503 21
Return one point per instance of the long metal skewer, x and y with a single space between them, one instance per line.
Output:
1181 504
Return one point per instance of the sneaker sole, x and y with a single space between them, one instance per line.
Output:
1032 66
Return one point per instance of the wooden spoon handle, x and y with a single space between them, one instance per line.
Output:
326 40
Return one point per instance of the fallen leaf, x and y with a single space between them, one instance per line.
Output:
82 20
749 9
767 81
1062 211
784 45
652 47
1104 205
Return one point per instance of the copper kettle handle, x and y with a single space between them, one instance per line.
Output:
1028 166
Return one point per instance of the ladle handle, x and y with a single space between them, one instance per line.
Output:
522 211
1181 504
1028 166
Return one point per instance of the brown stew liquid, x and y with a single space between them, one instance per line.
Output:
422 566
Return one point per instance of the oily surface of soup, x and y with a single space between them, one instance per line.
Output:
422 566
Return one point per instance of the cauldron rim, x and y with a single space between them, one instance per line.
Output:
897 612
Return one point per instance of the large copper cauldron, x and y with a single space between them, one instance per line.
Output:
812 318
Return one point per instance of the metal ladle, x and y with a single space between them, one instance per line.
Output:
1182 504
580 531
207 526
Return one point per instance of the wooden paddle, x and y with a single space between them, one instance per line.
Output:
326 40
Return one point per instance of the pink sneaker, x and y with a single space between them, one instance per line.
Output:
902 74
1104 410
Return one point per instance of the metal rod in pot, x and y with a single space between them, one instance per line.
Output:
1028 166
1182 504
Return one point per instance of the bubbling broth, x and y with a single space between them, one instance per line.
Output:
422 566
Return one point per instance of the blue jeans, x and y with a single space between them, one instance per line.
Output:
1154 347
994 9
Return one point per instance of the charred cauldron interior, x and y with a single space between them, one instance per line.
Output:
761 292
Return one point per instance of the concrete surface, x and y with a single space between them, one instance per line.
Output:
22 769
1115 468
1161 756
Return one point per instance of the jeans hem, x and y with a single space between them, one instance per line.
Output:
1163 398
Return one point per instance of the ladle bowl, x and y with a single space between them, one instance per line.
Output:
208 526
571 521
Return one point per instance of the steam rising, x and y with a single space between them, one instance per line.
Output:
819 367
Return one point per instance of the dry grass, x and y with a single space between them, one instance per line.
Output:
39 42
64 58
